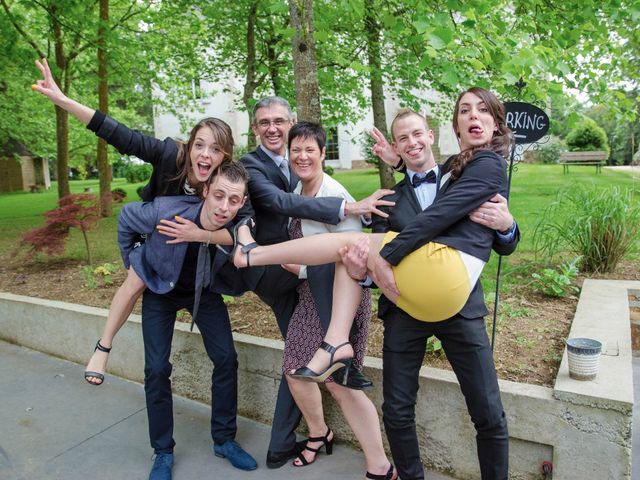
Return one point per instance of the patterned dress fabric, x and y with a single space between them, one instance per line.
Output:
305 333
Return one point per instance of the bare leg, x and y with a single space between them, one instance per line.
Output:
314 250
121 307
362 417
319 250
309 400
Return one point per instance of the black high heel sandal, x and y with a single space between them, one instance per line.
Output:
98 375
305 373
326 443
351 377
389 476
248 221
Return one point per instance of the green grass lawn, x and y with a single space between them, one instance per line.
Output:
534 187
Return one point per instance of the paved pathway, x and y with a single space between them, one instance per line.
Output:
54 426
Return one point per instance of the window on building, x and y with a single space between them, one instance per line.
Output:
332 148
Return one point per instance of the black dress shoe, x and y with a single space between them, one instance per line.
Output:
351 377
278 459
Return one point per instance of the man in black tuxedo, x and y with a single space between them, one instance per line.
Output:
271 188
464 338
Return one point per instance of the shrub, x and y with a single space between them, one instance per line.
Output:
99 276
549 153
328 169
136 173
557 282
79 210
587 136
599 225
118 194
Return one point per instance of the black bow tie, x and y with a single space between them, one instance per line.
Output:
429 177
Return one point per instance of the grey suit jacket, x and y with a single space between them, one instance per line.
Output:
157 263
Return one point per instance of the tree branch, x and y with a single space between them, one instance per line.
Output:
21 31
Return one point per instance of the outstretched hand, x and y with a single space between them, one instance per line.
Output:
47 86
383 149
370 204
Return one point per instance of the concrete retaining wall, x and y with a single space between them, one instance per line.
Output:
583 428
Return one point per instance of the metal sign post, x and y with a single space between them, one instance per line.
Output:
529 125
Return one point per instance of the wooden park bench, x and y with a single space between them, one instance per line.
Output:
597 158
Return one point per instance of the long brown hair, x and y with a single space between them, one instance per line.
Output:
502 137
223 137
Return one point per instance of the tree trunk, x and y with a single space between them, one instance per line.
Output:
62 117
104 171
304 61
377 90
250 79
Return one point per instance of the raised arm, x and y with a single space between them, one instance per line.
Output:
383 149
48 87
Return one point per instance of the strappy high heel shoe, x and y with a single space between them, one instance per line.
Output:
305 373
351 377
326 443
390 475
248 221
100 376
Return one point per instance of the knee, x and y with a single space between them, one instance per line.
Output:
133 284
397 417
226 360
491 425
157 371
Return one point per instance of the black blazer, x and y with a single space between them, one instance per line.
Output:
449 211
162 154
273 200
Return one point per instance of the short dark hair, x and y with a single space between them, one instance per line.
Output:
267 102
233 171
308 130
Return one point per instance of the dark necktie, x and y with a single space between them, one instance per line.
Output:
203 278
429 177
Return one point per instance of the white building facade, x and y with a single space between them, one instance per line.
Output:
344 148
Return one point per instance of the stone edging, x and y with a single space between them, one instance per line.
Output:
583 428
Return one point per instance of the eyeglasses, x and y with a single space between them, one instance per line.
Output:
278 122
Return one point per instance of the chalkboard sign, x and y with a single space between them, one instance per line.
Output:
527 122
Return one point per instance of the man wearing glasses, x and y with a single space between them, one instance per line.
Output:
271 185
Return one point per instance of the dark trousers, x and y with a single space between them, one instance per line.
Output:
277 288
158 319
466 345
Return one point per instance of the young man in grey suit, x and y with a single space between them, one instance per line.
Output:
181 275
464 338
271 186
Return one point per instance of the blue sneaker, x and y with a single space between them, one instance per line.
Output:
161 469
232 451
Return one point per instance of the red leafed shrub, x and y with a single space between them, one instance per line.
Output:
79 210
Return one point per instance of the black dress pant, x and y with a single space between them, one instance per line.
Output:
277 288
466 344
158 319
